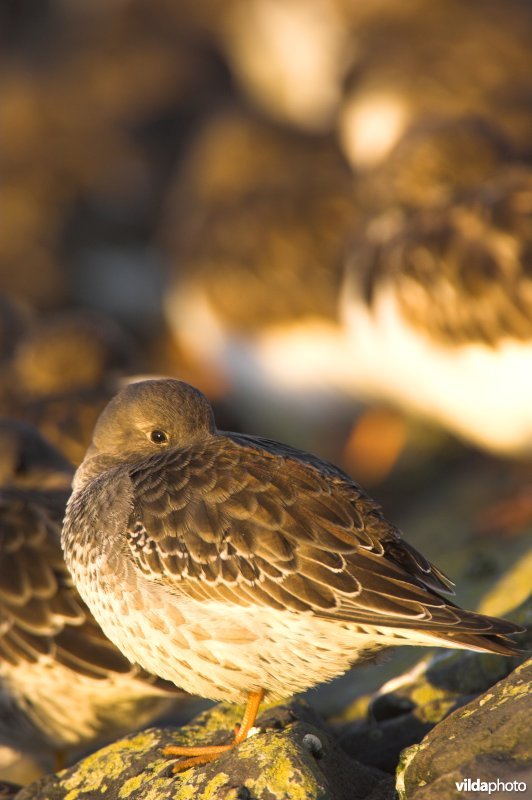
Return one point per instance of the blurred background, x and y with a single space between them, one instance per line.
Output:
319 212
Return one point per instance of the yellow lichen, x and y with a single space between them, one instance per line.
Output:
192 789
94 772
425 693
432 704
358 709
405 760
187 792
131 785
211 789
485 699
278 773
510 591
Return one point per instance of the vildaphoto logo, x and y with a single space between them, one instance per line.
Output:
476 785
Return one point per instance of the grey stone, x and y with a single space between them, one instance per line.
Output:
274 764
488 739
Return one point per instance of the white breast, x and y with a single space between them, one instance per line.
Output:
303 364
481 393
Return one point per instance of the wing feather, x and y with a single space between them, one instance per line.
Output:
245 523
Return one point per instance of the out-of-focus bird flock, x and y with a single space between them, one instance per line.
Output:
319 212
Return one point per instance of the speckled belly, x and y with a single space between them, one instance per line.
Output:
220 651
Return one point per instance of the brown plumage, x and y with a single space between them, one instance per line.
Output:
461 272
245 524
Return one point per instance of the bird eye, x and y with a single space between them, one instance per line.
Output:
159 437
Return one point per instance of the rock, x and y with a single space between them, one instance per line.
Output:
292 757
8 790
375 729
408 707
489 740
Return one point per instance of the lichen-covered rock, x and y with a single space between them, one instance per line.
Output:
291 758
406 709
489 740
375 729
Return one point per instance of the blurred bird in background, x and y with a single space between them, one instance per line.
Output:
63 685
442 303
439 304
255 230
63 370
289 57
447 60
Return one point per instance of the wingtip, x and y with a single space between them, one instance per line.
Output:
499 640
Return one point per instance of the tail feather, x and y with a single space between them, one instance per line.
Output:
485 643
444 625
478 632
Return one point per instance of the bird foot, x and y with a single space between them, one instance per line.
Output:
202 754
196 755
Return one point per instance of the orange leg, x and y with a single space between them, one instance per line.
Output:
205 753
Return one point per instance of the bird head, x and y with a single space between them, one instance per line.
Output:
143 419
